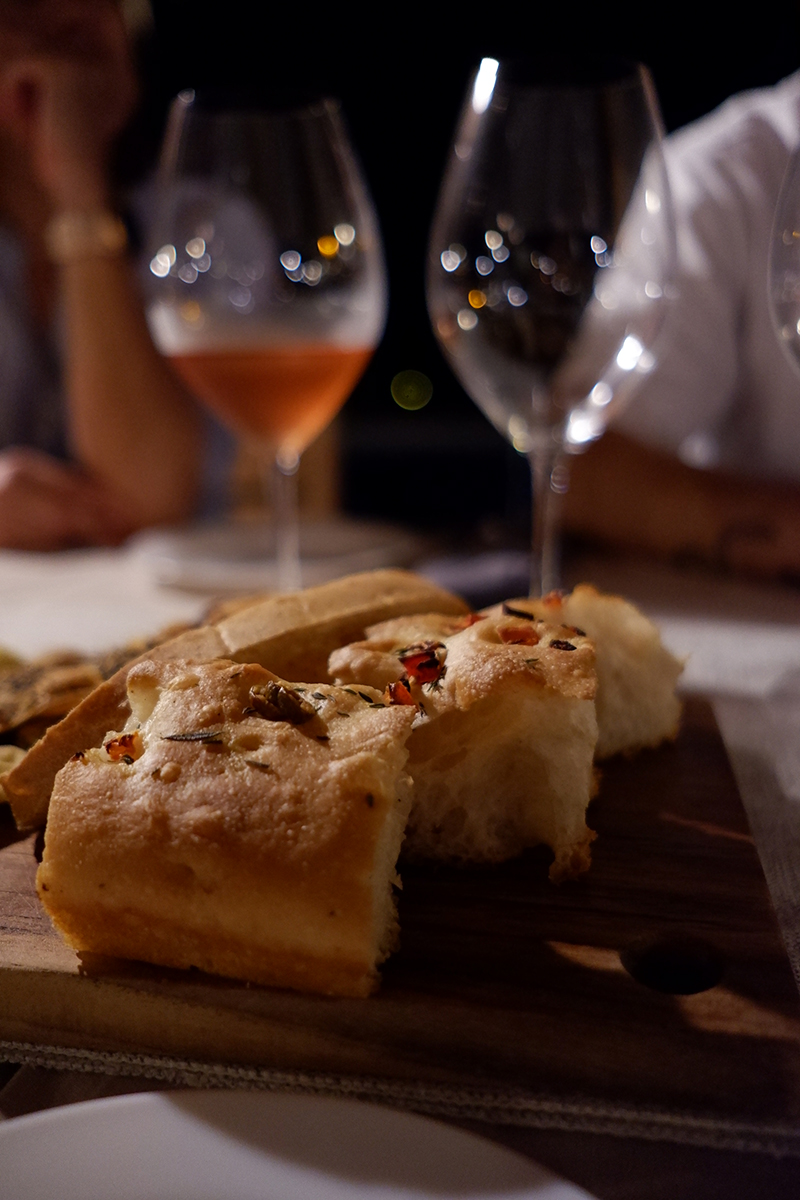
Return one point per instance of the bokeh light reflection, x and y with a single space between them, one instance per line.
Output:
241 298
629 354
312 272
328 246
483 87
652 200
162 262
411 390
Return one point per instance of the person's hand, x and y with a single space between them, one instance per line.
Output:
67 88
48 505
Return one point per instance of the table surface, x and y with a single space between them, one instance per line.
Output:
743 643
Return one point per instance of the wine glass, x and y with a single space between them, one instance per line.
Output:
550 250
784 263
266 284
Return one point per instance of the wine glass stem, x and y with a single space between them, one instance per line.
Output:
286 518
545 564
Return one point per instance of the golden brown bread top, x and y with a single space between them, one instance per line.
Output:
637 704
28 786
44 689
240 810
230 739
290 634
452 661
293 634
605 617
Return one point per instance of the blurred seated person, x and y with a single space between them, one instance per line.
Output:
97 438
705 463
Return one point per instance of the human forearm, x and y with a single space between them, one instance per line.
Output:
131 423
636 498
65 95
50 505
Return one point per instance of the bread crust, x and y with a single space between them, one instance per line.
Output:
636 702
501 755
292 635
27 788
226 840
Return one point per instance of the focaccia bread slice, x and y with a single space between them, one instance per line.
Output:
292 635
502 749
28 786
240 824
636 675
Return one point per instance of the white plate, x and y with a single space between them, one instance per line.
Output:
256 1146
236 556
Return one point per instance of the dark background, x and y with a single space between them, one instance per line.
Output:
401 72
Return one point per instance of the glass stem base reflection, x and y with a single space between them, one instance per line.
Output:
548 484
286 518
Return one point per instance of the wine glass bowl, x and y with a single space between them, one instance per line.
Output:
548 256
266 282
784 263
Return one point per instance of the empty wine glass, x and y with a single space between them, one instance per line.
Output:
266 284
549 254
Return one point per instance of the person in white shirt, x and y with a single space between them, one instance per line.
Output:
706 460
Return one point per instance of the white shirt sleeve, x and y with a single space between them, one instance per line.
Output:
706 401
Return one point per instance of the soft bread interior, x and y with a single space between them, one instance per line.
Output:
512 771
501 752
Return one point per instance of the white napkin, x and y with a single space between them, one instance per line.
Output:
86 600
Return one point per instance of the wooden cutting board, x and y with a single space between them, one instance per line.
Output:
503 981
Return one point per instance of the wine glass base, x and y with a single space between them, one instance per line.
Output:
482 579
237 557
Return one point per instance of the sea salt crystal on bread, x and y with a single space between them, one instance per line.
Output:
240 825
502 749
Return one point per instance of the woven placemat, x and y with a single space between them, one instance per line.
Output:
494 1107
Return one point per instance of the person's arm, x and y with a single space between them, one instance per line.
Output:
131 425
627 495
49 505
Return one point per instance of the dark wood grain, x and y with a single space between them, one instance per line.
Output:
502 980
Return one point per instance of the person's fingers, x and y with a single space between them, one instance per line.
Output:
92 513
46 505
